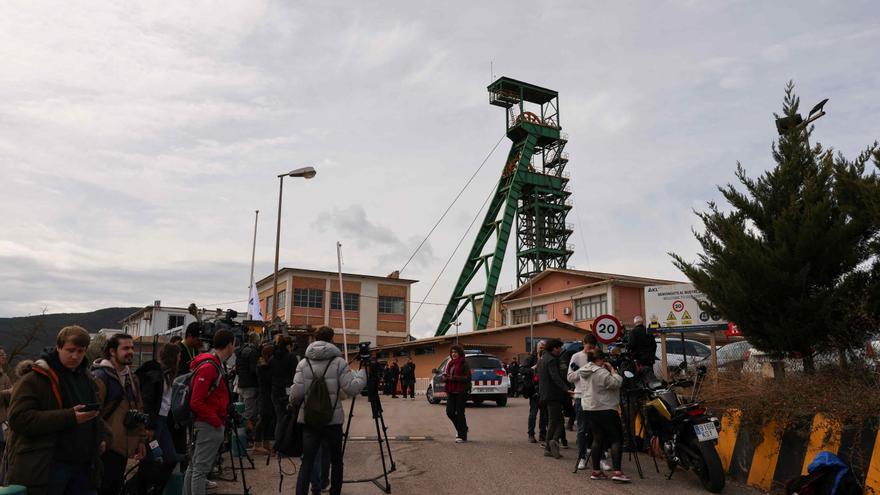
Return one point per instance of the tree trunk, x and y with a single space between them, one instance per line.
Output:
778 369
809 364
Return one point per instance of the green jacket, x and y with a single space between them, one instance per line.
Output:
36 416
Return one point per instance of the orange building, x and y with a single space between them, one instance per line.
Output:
572 296
376 308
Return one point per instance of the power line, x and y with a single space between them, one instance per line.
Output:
452 204
479 212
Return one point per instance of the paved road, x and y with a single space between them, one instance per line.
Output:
497 459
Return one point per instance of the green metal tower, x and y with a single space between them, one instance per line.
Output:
533 187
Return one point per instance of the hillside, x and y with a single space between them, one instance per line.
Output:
14 330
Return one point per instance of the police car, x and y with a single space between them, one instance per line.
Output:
489 381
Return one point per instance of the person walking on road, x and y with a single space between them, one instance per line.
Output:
323 365
408 379
457 376
553 391
601 398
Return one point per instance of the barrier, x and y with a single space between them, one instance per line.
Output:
766 460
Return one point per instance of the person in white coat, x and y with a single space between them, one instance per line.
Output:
323 358
578 360
600 399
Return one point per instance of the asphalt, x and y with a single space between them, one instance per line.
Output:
496 459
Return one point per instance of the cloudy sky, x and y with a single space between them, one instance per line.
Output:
138 138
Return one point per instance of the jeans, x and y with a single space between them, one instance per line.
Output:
321 470
207 444
581 428
408 385
607 430
455 412
114 473
556 422
533 414
330 437
70 478
152 473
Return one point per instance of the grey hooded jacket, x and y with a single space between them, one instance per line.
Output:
339 377
601 388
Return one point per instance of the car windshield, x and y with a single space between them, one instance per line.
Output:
483 362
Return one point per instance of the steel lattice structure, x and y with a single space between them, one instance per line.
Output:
533 188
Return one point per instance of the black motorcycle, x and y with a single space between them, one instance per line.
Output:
679 427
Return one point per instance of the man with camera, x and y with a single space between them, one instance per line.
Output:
121 409
209 402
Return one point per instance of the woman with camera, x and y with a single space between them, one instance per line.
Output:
600 399
457 375
156 378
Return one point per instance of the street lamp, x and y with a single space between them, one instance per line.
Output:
784 124
306 173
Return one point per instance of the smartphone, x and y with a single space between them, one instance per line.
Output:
91 407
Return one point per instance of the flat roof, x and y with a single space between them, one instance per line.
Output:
530 92
603 277
450 336
171 308
323 273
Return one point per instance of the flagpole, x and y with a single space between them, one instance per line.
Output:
253 255
342 299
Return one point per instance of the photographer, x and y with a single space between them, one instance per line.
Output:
55 444
323 360
121 409
641 345
209 402
600 400
156 378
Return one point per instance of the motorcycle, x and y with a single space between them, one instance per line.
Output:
681 429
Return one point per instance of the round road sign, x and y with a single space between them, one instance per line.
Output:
607 329
677 306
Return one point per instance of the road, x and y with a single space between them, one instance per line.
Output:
497 458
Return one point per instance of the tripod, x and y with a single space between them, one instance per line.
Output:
232 426
381 428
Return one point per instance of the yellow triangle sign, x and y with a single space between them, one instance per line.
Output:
686 316
671 317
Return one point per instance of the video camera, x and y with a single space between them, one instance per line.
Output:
222 321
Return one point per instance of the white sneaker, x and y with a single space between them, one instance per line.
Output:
604 465
582 464
210 485
459 440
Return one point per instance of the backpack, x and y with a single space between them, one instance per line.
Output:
822 482
317 410
181 393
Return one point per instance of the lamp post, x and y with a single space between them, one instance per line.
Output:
306 173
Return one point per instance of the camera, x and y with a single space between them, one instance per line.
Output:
134 418
364 354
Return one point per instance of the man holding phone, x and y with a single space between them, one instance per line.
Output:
55 442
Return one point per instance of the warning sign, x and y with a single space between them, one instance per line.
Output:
671 317
686 318
681 302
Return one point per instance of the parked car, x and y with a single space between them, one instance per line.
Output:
677 351
733 355
489 381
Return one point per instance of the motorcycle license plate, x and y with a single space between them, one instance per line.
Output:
706 432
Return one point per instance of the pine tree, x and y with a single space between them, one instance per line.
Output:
794 260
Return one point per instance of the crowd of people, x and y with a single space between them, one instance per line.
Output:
78 427
584 386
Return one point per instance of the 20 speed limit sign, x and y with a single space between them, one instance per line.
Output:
607 329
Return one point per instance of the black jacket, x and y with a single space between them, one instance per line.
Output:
246 367
551 385
408 372
153 383
282 367
642 346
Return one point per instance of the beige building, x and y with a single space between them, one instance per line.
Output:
377 309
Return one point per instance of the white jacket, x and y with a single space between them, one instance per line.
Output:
602 389
339 378
578 359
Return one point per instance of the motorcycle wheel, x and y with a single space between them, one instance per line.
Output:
708 466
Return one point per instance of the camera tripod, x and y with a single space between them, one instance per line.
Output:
381 428
232 427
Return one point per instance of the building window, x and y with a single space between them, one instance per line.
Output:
282 298
392 305
352 301
588 308
269 305
308 298
175 321
539 313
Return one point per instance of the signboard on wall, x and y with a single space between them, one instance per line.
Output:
675 309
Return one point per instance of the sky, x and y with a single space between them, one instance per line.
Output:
139 138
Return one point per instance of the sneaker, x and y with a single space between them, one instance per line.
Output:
619 477
547 453
210 485
604 465
598 475
459 440
582 464
532 439
553 448
563 444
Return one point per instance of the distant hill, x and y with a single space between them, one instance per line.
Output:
14 330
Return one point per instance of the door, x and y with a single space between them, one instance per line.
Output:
437 384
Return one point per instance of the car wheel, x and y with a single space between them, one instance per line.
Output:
429 394
478 402
501 402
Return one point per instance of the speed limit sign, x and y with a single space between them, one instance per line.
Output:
607 329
